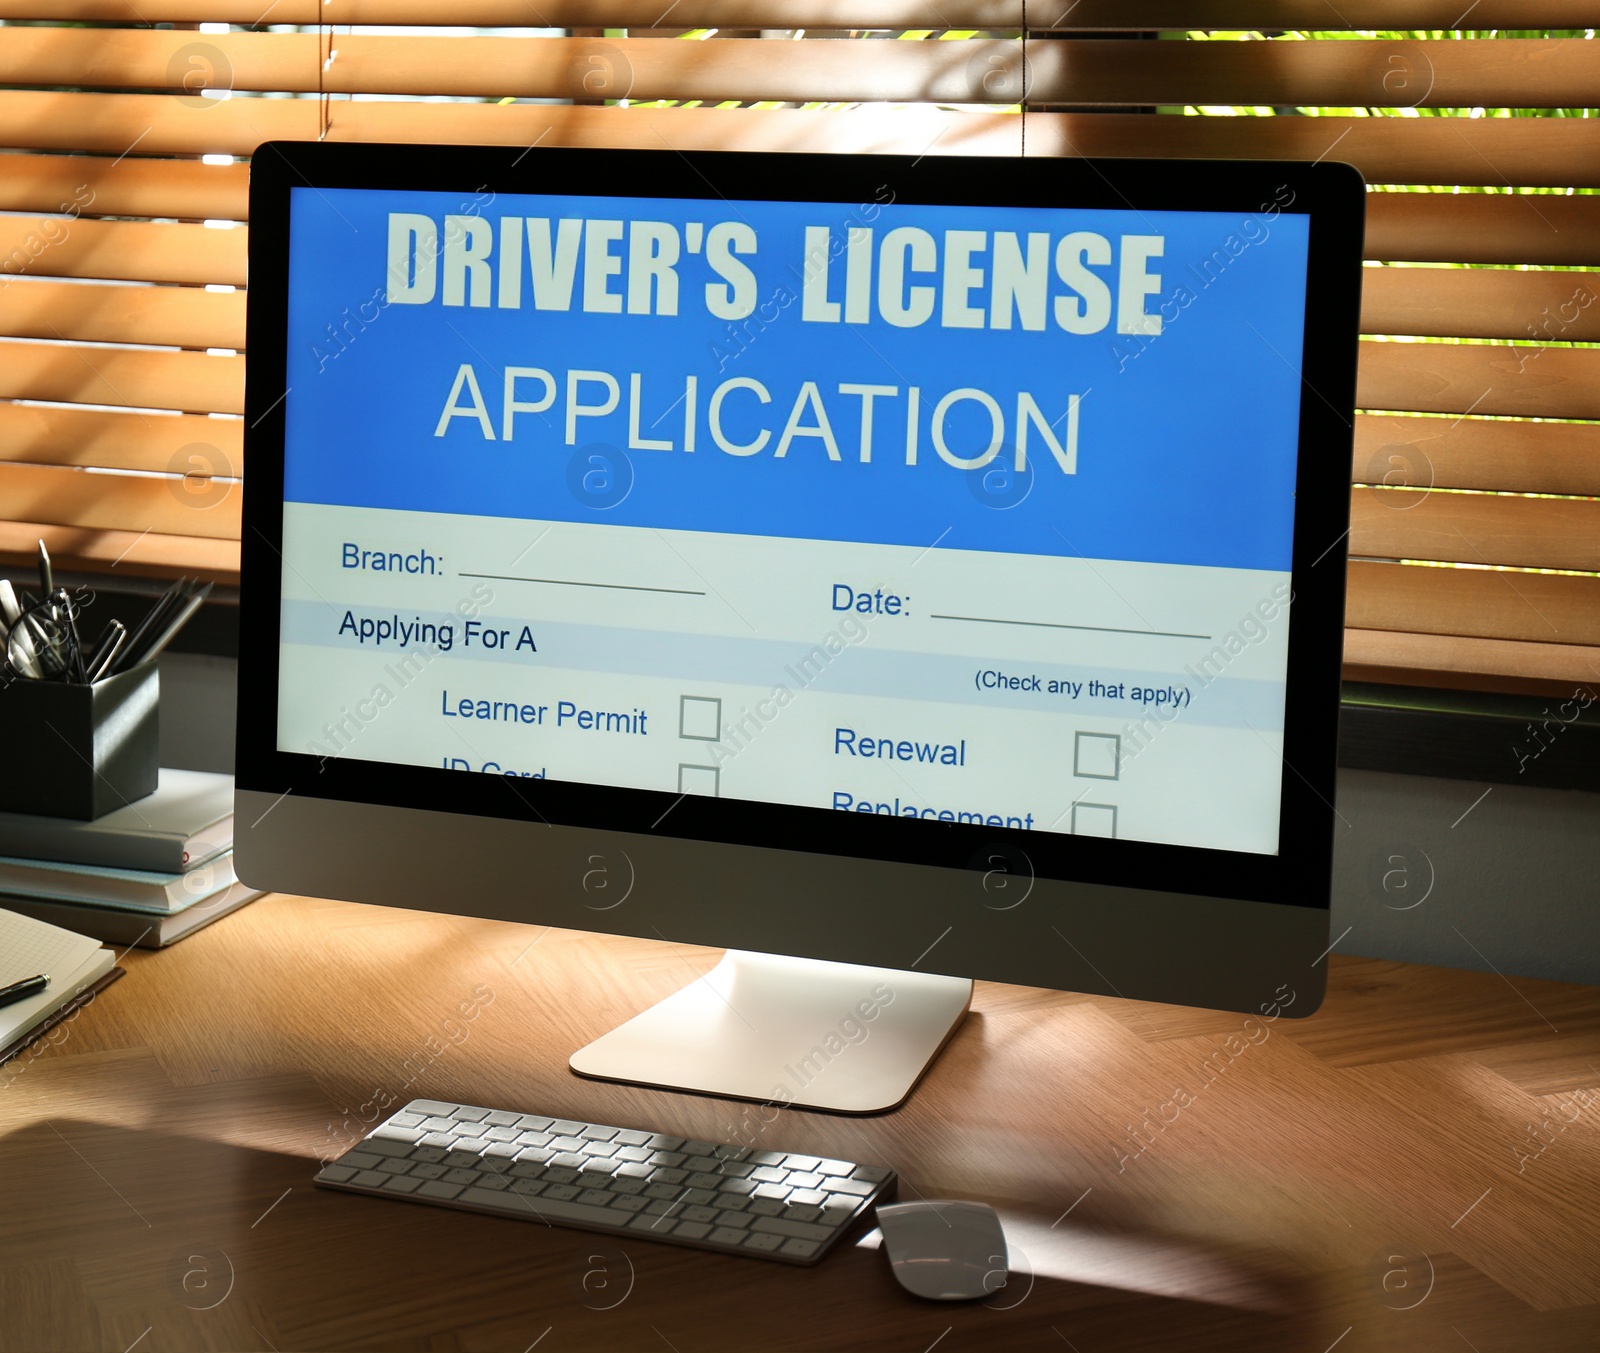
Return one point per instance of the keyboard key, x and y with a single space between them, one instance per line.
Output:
501 1133
429 1106
803 1213
465 1113
565 1128
437 1188
660 1142
700 1164
703 1181
390 1136
539 1155
596 1132
766 1157
778 1226
733 1202
769 1174
631 1169
737 1169
735 1219
627 1204
429 1155
626 1138
559 1174
699 1196
738 1186
406 1120
602 1150
444 1139
858 1187
500 1118
461 1177
568 1160
530 1187
801 1249
428 1171
440 1123
873 1174
726 1235
765 1207
692 1230
595 1198
731 1152
668 1158
533 1139
470 1132
664 1191
803 1181
776 1192
761 1241
807 1198
632 1154
494 1181
566 1143
695 1147
560 1193
626 1186
532 1122
395 1167
462 1160
362 1160
660 1226
806 1163
335 1174
839 1167
369 1179
402 1183
662 1207
546 1208
699 1214
668 1176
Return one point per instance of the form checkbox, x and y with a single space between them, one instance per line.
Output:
699 780
1094 819
1097 756
700 717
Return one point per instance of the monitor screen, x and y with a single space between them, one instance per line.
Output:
965 513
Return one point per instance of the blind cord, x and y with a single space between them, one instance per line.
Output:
1024 79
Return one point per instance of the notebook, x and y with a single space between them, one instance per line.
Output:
186 821
29 947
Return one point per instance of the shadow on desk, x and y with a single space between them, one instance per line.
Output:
118 1236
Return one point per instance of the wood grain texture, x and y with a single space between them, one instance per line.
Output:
146 555
177 444
1486 603
1340 1170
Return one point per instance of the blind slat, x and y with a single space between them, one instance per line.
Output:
1043 15
134 553
82 498
1473 664
1476 528
1494 151
177 444
185 317
1550 307
1483 228
1482 603
1515 72
101 186
53 246
1477 453
123 377
1519 379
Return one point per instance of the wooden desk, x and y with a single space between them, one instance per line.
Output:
1350 1181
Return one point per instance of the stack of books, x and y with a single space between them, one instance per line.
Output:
147 874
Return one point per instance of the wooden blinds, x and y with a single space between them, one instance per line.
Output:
125 131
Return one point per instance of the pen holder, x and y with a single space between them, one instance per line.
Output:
80 751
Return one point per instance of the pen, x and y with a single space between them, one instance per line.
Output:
174 622
29 986
106 651
129 655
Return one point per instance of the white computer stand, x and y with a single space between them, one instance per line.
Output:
791 1031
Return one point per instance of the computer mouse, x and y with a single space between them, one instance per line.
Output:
945 1251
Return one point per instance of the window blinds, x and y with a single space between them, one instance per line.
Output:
1475 544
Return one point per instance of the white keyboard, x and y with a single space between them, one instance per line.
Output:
769 1204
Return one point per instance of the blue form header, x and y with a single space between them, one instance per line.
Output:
1110 384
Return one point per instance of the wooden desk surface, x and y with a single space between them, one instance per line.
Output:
1417 1167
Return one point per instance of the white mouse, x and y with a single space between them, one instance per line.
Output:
946 1251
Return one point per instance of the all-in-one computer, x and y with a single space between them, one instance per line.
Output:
894 572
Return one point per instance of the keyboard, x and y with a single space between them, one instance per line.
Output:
765 1204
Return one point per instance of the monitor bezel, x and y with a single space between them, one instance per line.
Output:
1330 194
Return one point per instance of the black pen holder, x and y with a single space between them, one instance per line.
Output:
80 751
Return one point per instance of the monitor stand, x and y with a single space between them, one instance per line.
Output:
789 1031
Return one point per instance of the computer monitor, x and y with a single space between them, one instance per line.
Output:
892 571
